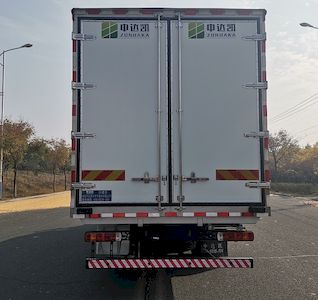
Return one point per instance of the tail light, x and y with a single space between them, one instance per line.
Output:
235 236
101 236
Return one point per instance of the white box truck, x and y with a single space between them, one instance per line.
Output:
169 134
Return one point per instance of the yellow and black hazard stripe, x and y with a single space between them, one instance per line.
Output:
103 175
237 174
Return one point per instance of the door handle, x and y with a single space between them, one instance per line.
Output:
192 178
148 179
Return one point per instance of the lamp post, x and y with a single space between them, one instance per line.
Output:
2 113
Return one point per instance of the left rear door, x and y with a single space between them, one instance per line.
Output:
125 63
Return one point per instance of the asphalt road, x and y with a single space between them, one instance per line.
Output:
42 257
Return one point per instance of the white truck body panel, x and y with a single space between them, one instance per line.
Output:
168 99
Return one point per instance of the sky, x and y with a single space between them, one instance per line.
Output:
38 79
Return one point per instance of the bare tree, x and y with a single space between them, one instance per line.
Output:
283 149
307 164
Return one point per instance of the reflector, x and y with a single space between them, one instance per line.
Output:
235 236
101 236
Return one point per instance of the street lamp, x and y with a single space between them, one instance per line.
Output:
307 25
2 113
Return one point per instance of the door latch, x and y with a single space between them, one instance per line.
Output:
260 134
194 179
258 185
82 186
146 178
83 135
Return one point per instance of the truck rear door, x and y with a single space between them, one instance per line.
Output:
216 104
121 66
174 103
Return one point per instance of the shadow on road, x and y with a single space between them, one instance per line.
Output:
51 265
39 262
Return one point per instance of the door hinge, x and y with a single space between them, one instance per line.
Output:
159 199
257 85
82 86
260 134
194 179
258 185
180 198
255 37
83 135
83 37
82 186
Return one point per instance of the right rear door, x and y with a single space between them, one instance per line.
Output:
212 109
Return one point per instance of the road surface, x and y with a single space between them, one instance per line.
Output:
42 257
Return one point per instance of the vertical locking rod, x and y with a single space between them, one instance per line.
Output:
159 197
180 196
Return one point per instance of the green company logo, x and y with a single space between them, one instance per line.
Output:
109 30
196 30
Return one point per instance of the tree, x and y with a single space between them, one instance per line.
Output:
283 149
58 159
307 164
15 143
66 163
36 156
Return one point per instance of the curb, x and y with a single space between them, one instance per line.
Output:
34 197
295 196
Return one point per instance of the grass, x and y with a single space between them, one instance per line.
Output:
30 184
297 189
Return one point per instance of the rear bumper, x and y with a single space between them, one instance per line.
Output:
170 263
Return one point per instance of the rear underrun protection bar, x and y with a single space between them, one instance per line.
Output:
170 263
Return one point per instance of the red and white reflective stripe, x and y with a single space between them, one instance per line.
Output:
149 11
78 216
267 174
244 12
263 77
74 76
195 11
75 45
169 214
74 114
185 11
172 263
266 143
213 214
93 11
190 11
120 11
262 49
73 144
217 12
265 110
73 175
